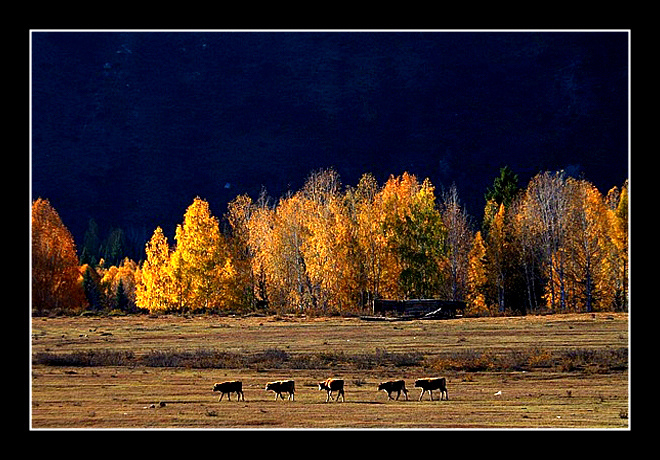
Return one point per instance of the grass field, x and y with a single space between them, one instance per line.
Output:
560 371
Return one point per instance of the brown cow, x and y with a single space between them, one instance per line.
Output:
430 384
282 386
331 385
229 388
394 385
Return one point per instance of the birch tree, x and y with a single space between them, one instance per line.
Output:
458 242
547 197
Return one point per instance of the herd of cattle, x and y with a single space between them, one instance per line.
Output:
337 385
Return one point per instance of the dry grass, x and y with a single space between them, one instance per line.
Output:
588 395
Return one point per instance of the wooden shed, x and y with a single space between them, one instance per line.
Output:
420 308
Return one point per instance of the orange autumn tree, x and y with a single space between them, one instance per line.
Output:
261 250
239 213
498 254
588 243
571 244
477 278
56 280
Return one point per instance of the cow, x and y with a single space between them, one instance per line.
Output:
331 385
229 388
430 384
282 386
392 386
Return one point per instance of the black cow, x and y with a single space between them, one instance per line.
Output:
392 386
229 388
282 386
430 384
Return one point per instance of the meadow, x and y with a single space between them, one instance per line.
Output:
133 372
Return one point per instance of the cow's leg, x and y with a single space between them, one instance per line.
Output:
431 394
405 392
221 395
327 396
421 394
229 395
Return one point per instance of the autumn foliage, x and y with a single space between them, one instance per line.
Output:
56 279
557 245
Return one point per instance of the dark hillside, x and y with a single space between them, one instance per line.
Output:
128 128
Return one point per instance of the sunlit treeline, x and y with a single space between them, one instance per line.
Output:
557 245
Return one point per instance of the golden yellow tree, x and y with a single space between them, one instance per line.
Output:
200 267
153 291
289 286
615 262
329 253
371 238
56 280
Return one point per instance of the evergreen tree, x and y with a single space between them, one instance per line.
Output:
121 300
91 244
505 188
92 289
114 248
